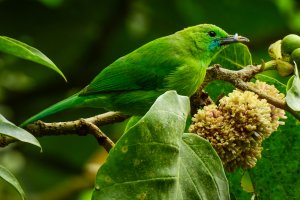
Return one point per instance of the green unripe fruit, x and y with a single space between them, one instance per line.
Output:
289 44
296 57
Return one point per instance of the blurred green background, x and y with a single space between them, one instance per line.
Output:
82 37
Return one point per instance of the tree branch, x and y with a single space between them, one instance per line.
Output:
80 127
91 125
239 79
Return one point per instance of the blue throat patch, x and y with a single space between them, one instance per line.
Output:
215 43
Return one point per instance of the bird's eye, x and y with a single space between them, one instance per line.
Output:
212 33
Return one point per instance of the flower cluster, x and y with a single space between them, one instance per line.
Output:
239 124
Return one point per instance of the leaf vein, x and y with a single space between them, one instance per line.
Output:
207 168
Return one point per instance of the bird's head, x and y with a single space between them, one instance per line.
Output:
211 39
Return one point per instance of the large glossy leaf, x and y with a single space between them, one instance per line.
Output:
11 130
155 160
234 56
6 175
22 50
293 94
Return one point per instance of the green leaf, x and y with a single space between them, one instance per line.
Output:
154 159
22 50
201 170
293 94
276 175
246 182
9 129
272 77
290 83
234 57
224 88
236 191
132 121
6 175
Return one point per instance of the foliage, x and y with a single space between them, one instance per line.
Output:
6 175
272 77
22 50
293 93
234 57
7 128
154 159
86 36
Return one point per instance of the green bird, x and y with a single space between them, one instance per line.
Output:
132 83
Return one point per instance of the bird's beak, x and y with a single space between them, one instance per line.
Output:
233 39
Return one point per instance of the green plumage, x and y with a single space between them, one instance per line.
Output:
133 82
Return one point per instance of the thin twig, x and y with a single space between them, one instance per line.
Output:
78 127
102 139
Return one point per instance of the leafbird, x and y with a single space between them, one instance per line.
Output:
132 83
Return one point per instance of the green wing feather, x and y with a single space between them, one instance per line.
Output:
62 105
133 82
70 102
135 79
144 69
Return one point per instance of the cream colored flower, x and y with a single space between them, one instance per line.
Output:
238 125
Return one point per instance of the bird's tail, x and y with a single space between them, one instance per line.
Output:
62 105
